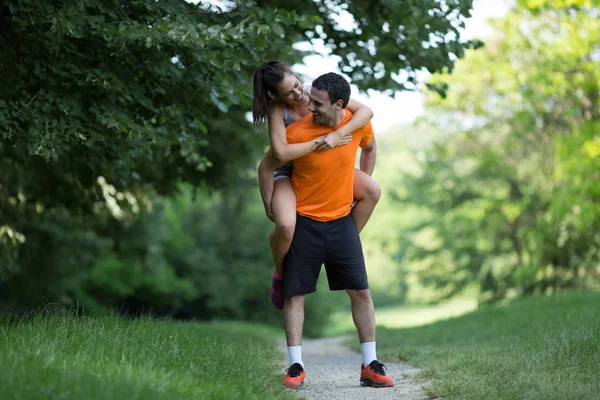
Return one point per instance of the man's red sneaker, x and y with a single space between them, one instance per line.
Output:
374 375
295 376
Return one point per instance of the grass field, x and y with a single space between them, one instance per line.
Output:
404 315
536 348
67 357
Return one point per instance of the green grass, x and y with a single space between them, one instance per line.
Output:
403 316
69 357
535 348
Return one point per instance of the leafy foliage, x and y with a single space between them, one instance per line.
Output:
507 193
388 36
109 108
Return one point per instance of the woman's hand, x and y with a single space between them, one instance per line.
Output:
269 212
331 140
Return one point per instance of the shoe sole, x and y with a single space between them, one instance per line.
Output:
370 383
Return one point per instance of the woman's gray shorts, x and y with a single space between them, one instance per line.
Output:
285 171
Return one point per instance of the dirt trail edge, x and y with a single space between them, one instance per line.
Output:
333 372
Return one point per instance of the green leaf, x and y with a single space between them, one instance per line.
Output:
278 29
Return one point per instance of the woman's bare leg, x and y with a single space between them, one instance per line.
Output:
366 193
283 205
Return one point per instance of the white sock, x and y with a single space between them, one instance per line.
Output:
295 353
368 352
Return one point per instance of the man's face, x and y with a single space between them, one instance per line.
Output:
321 108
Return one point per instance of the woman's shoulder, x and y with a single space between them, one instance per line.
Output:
276 110
275 106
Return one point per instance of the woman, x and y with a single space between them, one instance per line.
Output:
280 99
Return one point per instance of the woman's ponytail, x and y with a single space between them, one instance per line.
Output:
266 79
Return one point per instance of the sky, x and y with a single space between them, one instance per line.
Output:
402 107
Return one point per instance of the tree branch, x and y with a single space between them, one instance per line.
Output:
30 101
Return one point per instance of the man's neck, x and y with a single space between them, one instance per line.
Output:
339 117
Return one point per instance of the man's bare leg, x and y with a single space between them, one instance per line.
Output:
363 314
293 315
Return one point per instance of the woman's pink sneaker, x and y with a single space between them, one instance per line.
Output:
277 292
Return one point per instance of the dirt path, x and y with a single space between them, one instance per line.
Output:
333 372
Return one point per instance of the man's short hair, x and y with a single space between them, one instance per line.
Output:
336 87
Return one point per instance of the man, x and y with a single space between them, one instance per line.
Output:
325 231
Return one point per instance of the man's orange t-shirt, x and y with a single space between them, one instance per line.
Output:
324 180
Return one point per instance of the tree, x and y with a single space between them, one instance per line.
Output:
109 103
387 38
501 199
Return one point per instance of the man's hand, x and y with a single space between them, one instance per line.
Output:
330 141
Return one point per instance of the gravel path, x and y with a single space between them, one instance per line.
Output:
333 372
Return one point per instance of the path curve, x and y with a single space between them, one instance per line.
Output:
333 372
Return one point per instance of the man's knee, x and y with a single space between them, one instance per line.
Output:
298 299
294 301
363 295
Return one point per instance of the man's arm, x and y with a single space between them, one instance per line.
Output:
368 155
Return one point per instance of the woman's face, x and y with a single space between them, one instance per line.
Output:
291 91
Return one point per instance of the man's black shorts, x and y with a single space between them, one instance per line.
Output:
333 243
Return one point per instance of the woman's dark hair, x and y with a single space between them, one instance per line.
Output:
266 79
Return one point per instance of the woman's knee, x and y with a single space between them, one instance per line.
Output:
263 165
286 226
267 162
365 187
372 191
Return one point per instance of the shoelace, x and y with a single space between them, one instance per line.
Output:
378 367
294 370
